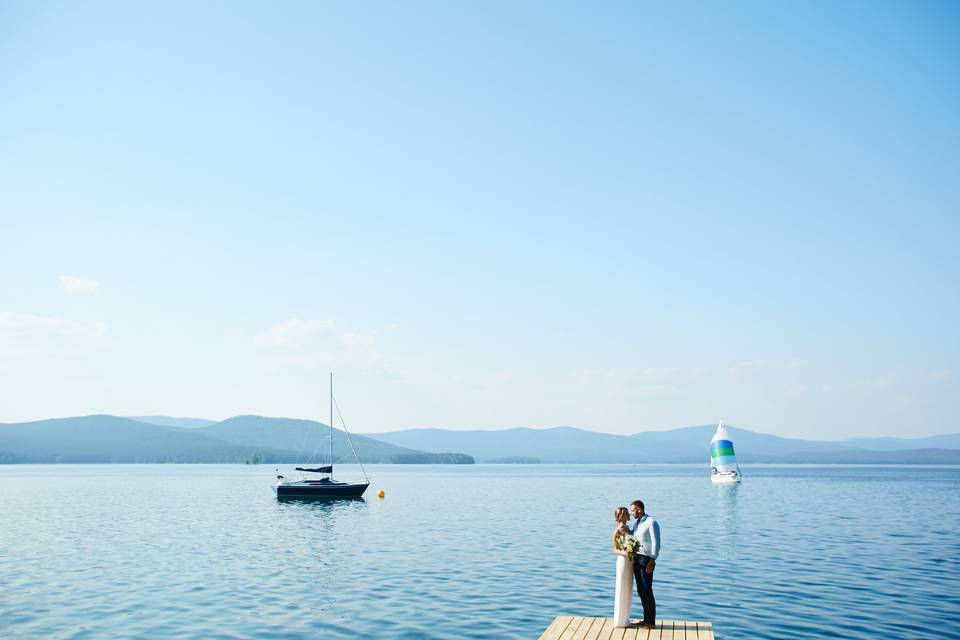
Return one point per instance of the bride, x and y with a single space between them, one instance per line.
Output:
624 595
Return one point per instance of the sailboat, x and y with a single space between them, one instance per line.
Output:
318 482
723 461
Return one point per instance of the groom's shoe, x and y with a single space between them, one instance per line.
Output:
647 625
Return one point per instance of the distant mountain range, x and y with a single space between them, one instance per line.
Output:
104 439
275 440
685 445
947 441
168 421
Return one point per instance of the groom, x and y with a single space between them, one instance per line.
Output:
647 531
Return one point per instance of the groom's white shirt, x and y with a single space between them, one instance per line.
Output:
647 531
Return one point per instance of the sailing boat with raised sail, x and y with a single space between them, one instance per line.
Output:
318 482
723 460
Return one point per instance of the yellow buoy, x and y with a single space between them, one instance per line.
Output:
381 494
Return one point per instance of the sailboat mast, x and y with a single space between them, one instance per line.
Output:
331 418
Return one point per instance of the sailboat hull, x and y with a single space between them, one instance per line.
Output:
310 490
725 478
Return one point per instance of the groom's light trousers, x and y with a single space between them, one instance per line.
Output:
645 588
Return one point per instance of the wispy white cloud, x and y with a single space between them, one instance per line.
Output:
74 286
30 335
745 366
293 333
942 375
899 380
322 344
859 385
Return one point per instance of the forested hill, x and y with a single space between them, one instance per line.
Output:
105 439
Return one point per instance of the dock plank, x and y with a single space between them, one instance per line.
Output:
704 630
584 632
571 629
556 628
617 633
666 629
606 630
584 629
680 630
590 632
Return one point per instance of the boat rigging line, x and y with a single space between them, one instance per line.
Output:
344 425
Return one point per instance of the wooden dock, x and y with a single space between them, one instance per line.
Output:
578 628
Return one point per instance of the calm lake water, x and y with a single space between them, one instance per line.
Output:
485 551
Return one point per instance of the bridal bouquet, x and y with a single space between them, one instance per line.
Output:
628 543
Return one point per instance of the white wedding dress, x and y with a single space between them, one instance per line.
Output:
624 598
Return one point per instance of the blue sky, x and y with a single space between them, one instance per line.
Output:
484 215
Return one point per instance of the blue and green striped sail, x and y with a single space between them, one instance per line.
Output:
722 456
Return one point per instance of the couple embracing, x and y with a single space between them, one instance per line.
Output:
636 545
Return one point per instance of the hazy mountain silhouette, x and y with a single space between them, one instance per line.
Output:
945 441
169 421
685 445
311 438
113 439
103 439
245 438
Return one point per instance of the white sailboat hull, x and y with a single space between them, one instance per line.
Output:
725 478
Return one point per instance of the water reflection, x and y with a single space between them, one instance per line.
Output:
324 502
317 513
728 493
726 517
318 536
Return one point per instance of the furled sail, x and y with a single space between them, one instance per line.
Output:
327 469
722 457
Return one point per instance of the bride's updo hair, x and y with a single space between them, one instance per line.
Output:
618 513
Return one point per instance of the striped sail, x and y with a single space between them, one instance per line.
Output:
722 456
